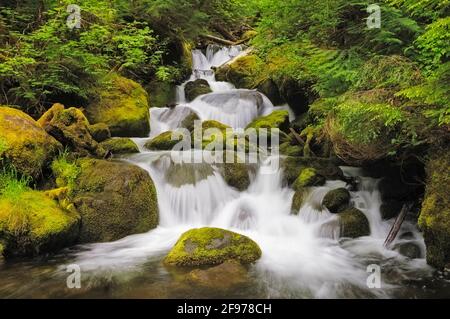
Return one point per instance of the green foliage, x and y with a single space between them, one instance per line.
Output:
12 185
65 170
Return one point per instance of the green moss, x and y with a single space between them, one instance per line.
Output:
297 201
293 166
353 223
208 137
123 106
242 72
434 217
289 149
34 224
120 145
336 200
212 246
164 141
25 144
65 171
162 93
196 88
276 120
100 132
114 199
236 175
308 177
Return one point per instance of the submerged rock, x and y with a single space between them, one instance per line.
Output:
409 250
123 106
120 145
193 89
179 175
353 223
337 200
212 246
114 200
31 223
434 217
24 143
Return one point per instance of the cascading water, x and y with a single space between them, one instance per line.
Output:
303 255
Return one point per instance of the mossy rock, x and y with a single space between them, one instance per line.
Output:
120 145
276 120
210 131
164 141
99 132
114 199
410 250
212 246
123 106
308 177
31 223
242 72
434 219
270 89
236 175
353 223
72 129
336 200
24 143
290 148
194 89
297 201
162 93
189 121
179 175
293 166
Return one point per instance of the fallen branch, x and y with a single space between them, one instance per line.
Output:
397 225
300 140
218 40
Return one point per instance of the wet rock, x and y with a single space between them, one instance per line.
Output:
292 167
24 143
212 246
114 200
165 141
123 106
276 120
161 94
100 132
297 201
353 223
189 121
120 145
409 250
196 88
308 177
179 175
236 175
241 71
337 200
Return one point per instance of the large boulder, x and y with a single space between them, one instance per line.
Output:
241 72
120 145
114 199
72 129
193 89
353 223
434 217
336 200
32 223
212 246
24 144
164 141
123 106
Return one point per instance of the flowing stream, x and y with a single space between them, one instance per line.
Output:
303 256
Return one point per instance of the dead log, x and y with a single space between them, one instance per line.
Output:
218 40
397 225
224 32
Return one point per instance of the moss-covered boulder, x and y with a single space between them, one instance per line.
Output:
32 223
120 145
124 106
297 200
162 93
189 121
212 246
211 131
72 129
336 200
434 217
236 175
242 72
293 166
194 89
353 223
24 143
179 175
308 177
99 132
114 199
276 120
164 141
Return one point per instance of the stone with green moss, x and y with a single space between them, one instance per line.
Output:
236 175
434 219
189 121
164 141
114 199
162 93
292 167
24 143
242 72
308 177
72 129
276 120
99 132
31 223
212 246
178 175
211 131
289 148
120 145
353 223
336 200
297 200
123 105
194 89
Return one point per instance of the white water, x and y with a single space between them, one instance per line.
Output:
302 254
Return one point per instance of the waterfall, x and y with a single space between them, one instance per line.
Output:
302 254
